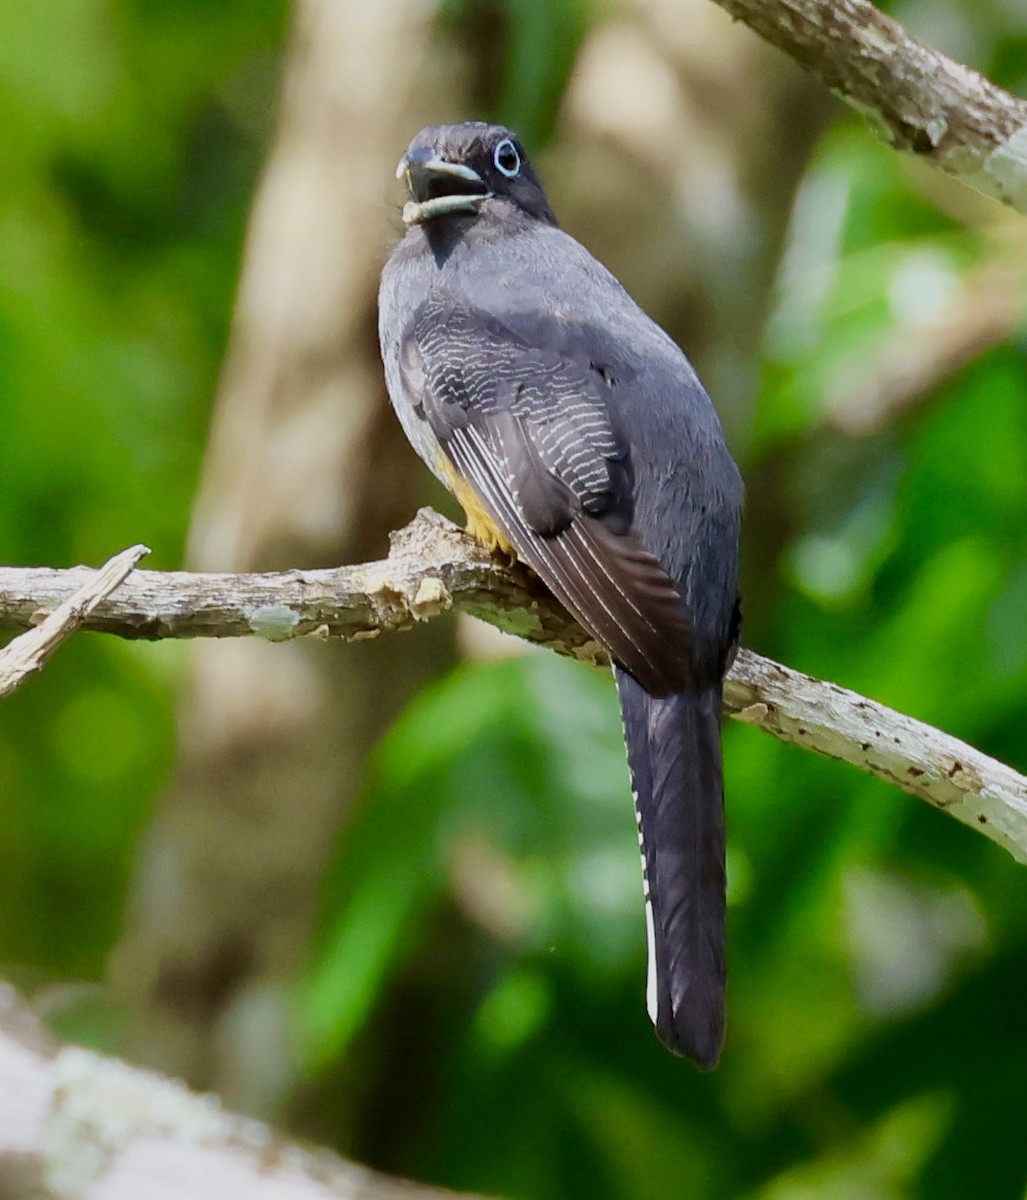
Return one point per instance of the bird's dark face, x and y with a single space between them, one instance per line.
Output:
453 169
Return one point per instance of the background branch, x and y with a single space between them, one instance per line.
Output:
78 1124
434 567
916 98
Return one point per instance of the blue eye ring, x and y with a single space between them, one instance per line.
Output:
506 158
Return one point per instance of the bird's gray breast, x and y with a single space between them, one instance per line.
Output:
408 278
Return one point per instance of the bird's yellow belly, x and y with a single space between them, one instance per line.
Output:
480 524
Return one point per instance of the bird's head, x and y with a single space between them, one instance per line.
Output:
453 169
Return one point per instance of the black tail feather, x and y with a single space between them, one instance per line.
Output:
673 747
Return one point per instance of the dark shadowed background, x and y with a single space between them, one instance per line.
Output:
388 894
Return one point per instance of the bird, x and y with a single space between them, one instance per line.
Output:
578 439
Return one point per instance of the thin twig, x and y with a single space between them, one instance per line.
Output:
916 98
915 359
435 567
30 651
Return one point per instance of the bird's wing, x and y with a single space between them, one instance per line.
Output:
520 407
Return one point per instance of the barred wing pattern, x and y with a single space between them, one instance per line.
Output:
522 406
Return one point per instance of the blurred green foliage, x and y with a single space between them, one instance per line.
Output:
474 1012
133 133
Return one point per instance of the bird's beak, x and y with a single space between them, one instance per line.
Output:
438 187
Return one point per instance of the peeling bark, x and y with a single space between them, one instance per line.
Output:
434 567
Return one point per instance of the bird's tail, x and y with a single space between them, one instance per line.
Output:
673 745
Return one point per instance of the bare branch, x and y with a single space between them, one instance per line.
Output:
434 567
30 651
916 98
75 1124
950 775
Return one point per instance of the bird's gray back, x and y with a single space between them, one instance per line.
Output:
535 277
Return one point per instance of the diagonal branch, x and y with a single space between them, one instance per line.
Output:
434 567
917 98
950 775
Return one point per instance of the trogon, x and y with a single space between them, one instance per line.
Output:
577 437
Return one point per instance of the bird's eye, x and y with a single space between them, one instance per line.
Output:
506 158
